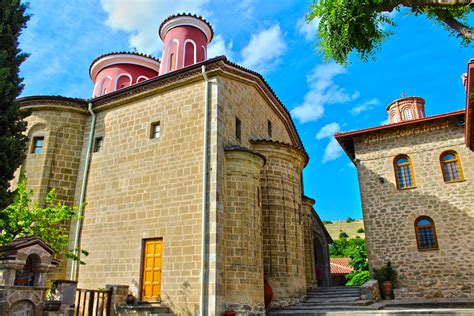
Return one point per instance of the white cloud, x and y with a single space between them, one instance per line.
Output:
365 106
386 121
328 130
218 47
264 50
332 151
322 91
308 30
142 19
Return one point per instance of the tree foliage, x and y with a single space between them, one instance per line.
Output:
358 25
23 218
356 250
344 247
12 140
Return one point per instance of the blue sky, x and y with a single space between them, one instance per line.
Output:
421 59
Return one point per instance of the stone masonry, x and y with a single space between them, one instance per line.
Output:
140 188
390 213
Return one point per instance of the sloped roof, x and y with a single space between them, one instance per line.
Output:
340 266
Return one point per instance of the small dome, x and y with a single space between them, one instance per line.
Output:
117 70
405 109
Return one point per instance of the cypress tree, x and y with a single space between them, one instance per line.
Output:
12 125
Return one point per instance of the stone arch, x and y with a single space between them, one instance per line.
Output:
22 308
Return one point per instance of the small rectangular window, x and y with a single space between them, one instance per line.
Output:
38 143
238 129
269 128
98 143
155 130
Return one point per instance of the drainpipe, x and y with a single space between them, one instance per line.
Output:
77 237
204 194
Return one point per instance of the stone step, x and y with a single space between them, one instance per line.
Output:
333 294
333 300
321 308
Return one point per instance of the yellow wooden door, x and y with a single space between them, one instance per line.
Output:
151 283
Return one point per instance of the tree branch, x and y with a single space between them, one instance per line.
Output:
460 28
390 5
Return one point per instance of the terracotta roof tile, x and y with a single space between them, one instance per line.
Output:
340 266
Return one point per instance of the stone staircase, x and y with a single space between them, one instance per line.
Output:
325 299
144 309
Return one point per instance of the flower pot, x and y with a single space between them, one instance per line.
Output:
51 306
268 293
229 312
387 290
130 299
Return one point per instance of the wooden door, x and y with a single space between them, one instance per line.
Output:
151 282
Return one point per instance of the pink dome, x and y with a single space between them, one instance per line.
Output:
185 39
115 71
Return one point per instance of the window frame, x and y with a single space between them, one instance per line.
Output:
432 226
412 173
238 129
33 144
269 129
152 130
442 162
98 148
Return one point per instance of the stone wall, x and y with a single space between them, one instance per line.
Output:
390 213
283 243
242 242
309 253
57 166
143 188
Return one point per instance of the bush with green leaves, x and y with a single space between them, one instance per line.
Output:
385 273
24 218
327 222
343 235
360 230
350 220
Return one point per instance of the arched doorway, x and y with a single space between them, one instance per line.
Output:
321 262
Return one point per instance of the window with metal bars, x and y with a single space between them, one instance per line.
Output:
451 166
404 172
425 233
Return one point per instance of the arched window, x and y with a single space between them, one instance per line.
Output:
408 113
451 166
425 233
404 172
171 62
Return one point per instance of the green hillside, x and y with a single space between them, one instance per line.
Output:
351 228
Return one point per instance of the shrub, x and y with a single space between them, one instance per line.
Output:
360 230
350 220
358 278
385 273
343 235
327 222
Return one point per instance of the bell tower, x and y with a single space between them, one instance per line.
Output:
185 38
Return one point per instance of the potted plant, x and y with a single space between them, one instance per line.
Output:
386 276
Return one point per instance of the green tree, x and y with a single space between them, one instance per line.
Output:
344 247
359 263
12 140
23 218
357 25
